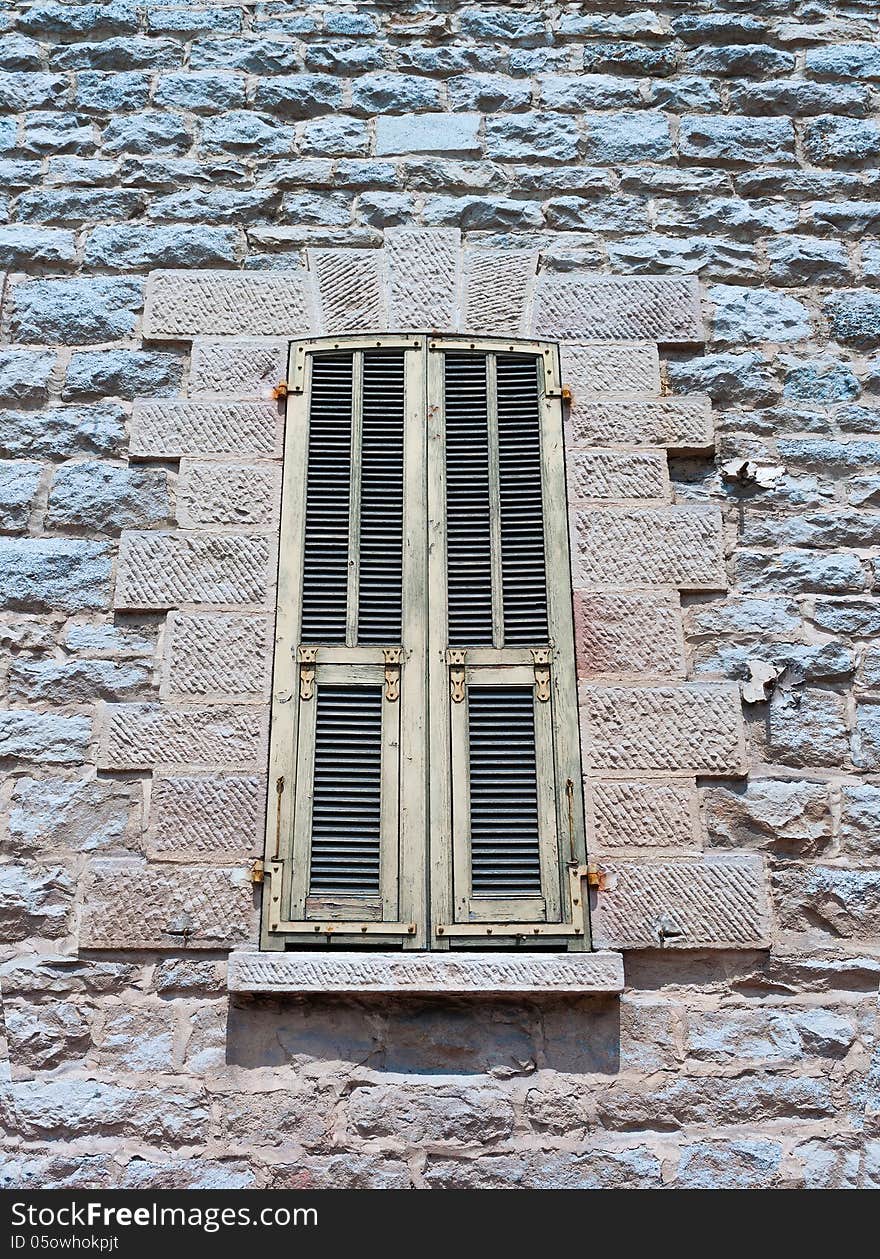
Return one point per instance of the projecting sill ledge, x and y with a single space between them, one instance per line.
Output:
425 973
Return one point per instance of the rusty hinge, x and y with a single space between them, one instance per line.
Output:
392 657
257 872
307 657
541 657
455 659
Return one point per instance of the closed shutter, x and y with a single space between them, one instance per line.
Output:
424 771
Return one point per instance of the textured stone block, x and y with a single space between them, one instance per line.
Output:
75 312
424 972
237 369
212 819
427 133
676 423
28 736
683 905
617 474
185 304
136 906
628 633
167 430
25 374
214 495
211 655
350 289
844 903
66 574
693 727
646 814
104 498
81 815
423 277
604 369
609 308
497 290
646 546
142 736
162 570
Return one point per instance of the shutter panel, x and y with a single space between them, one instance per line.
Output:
380 566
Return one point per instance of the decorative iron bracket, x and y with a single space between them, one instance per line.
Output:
541 657
392 656
307 657
455 657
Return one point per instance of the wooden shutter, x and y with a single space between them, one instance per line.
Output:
506 807
346 800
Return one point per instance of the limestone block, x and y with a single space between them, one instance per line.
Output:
628 633
80 815
167 430
237 369
34 901
144 736
39 1109
29 736
647 546
206 819
497 290
128 905
67 574
185 304
423 277
220 495
617 474
611 308
604 369
694 727
427 133
682 904
843 903
210 655
350 289
652 813
164 570
676 423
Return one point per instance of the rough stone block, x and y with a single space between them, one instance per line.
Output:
736 139
208 819
24 375
350 289
423 277
844 903
497 290
675 423
75 312
80 815
63 431
628 633
695 727
171 429
122 374
786 817
34 901
67 574
647 546
211 655
144 736
18 487
237 369
213 495
28 736
77 681
23 248
609 369
609 308
186 304
646 814
712 904
103 497
133 905
617 474
161 570
35 1110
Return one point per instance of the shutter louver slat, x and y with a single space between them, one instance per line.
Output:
505 843
380 600
328 486
468 511
523 575
346 838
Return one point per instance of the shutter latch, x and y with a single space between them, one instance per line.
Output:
455 658
541 657
392 657
306 657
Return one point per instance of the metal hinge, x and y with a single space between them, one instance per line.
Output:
307 657
541 657
257 872
392 657
455 659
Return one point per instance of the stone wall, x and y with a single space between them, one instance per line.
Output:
228 148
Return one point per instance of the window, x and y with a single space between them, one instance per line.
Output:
425 786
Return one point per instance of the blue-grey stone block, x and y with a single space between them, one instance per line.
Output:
855 317
78 682
831 139
44 737
845 61
19 483
805 260
22 247
343 58
819 380
394 94
337 135
316 209
123 374
747 61
60 432
726 378
17 52
75 312
619 139
729 139
111 93
105 498
453 59
162 20
543 135
715 257
150 132
243 130
492 213
739 1164
387 209
203 92
78 205
47 132
24 375
490 93
798 97
504 26
16 174
33 91
641 59
139 248
58 19
63 169
427 133
68 574
255 54
700 28
748 315
299 95
685 93
219 205
134 53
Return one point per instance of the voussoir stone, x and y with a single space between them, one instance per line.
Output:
186 304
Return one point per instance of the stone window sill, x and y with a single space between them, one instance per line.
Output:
425 973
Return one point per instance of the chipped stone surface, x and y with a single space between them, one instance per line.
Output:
205 818
610 369
162 570
497 289
628 633
646 546
237 369
350 288
186 304
167 430
141 736
216 655
676 423
228 495
611 308
646 814
682 905
617 474
695 727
